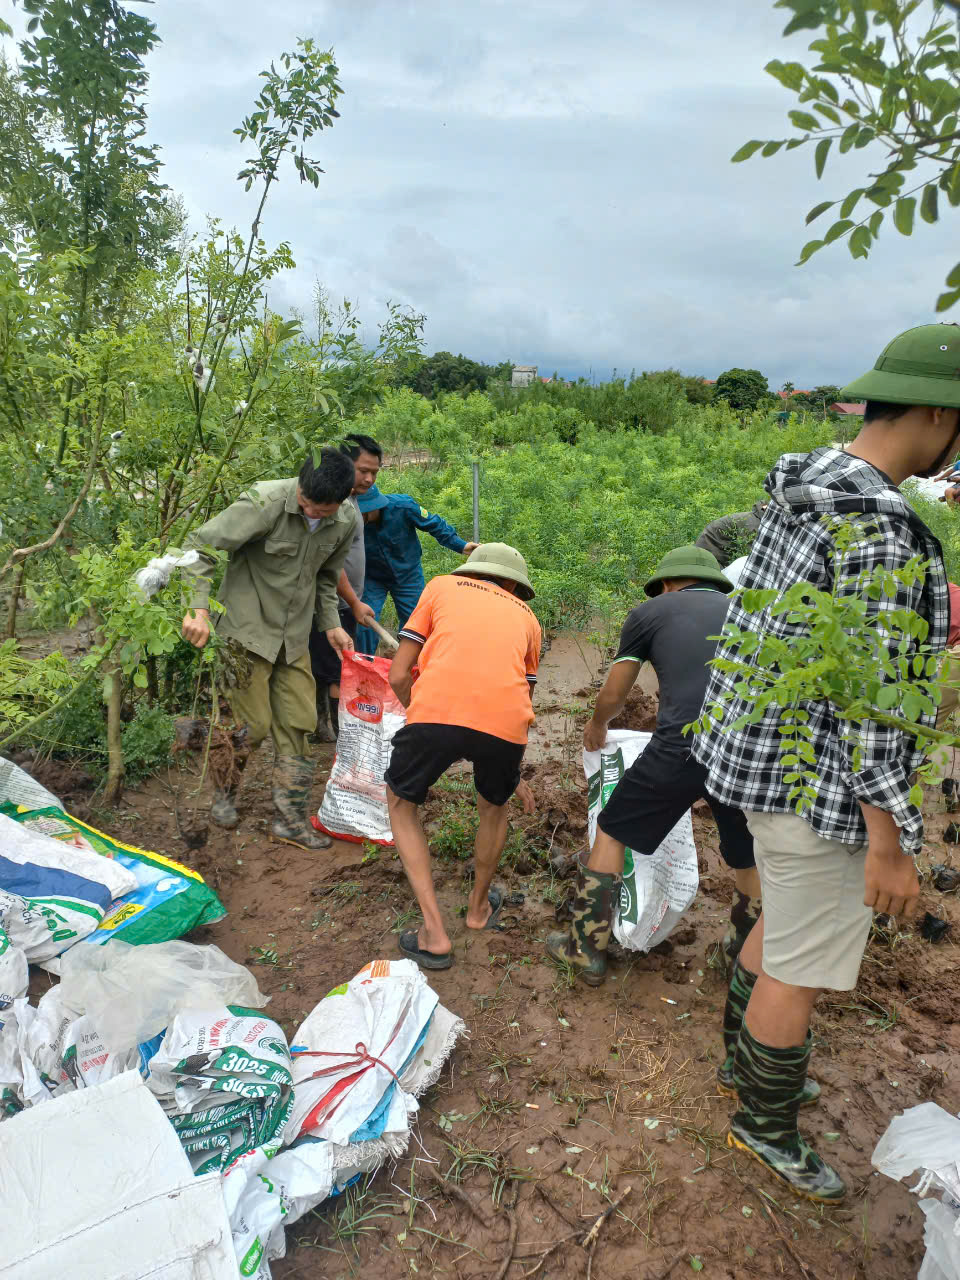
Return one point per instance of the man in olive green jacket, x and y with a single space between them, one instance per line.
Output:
287 541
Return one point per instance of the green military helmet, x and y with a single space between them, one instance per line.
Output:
687 562
497 560
921 366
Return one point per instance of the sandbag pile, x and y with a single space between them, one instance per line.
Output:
284 1127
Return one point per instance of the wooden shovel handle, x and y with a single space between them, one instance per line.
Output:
385 636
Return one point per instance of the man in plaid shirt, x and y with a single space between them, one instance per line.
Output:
850 853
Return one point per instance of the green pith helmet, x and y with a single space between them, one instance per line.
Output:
688 562
921 366
497 560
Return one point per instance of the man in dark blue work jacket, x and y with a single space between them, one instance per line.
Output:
394 568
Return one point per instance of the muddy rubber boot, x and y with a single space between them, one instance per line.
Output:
324 732
292 776
223 807
223 811
738 997
744 914
584 945
770 1085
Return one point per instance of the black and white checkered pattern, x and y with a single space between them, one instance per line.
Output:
792 545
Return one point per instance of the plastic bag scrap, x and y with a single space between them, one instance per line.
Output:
14 971
132 993
656 888
266 1190
52 896
168 901
927 1138
354 805
157 572
11 1070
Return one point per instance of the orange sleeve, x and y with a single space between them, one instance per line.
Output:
533 650
420 623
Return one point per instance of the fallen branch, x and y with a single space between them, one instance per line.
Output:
684 1253
594 1231
805 1270
585 1237
590 1243
511 1244
457 1193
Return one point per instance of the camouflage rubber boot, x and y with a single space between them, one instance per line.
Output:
770 1083
584 946
738 997
292 777
744 914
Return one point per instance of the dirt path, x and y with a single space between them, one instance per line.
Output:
562 1097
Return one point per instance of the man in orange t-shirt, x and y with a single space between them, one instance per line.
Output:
476 645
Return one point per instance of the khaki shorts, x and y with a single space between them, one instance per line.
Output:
815 925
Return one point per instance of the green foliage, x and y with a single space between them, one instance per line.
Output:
80 175
592 520
444 372
886 76
146 741
868 665
743 389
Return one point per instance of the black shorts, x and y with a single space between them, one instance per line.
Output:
324 659
423 752
654 794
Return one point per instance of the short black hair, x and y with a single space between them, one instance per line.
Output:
883 411
354 444
331 480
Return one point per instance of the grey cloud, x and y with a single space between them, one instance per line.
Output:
549 182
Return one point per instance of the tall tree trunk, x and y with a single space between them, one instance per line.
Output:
15 593
113 696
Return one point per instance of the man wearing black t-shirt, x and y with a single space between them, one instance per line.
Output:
671 631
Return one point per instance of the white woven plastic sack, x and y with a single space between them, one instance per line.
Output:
17 787
927 1139
386 1007
52 895
656 888
354 803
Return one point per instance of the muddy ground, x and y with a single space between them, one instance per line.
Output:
562 1097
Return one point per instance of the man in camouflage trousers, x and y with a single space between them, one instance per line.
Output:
671 631
287 542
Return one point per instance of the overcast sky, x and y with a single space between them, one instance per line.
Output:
548 181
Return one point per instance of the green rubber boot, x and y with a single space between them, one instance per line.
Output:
769 1083
744 914
292 777
583 947
738 997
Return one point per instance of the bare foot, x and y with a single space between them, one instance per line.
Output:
477 917
438 943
